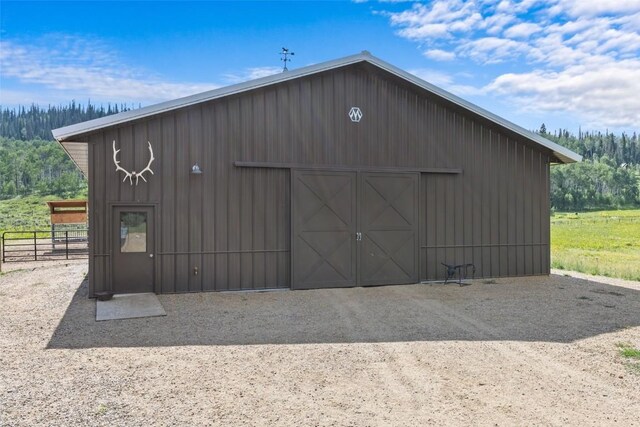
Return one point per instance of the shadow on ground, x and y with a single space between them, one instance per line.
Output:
551 309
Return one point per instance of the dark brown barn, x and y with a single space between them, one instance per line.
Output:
346 173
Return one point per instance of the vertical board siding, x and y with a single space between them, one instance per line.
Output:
91 217
468 205
207 163
103 194
167 204
195 221
233 224
181 199
501 186
528 208
485 202
494 202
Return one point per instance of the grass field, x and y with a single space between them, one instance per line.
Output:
26 213
604 243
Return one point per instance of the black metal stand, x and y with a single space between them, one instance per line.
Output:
451 271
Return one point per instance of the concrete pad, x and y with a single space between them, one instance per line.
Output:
129 306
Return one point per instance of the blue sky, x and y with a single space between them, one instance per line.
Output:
567 63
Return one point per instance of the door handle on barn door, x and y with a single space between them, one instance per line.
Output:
358 236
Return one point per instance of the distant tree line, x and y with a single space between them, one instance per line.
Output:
30 161
622 149
608 176
34 122
37 167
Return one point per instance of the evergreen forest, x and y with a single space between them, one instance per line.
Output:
31 162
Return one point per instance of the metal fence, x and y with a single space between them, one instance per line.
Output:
38 245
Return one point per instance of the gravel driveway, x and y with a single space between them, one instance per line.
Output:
525 351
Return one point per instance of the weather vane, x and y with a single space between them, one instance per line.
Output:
285 58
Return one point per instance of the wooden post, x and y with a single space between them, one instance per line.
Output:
35 247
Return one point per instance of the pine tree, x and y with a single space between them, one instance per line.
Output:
543 130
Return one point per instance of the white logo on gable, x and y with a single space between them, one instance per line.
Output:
355 114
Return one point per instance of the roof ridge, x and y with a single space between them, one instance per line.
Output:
64 134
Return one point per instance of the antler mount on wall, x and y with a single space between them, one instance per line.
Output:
133 174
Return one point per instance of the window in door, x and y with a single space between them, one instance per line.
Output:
133 232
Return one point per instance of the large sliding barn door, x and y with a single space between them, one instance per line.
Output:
354 228
388 251
324 227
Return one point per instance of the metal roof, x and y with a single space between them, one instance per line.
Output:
66 134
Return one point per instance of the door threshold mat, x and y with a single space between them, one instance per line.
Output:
129 306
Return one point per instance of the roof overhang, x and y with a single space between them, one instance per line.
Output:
77 150
79 153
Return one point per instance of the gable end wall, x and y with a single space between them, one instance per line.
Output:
234 223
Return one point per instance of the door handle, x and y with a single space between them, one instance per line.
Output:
358 236
150 255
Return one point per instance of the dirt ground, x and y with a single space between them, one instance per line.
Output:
526 351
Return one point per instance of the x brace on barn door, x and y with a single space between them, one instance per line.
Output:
354 228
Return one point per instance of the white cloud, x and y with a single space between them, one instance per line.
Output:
446 81
604 96
522 30
252 74
553 51
77 68
576 8
439 55
434 77
629 22
496 23
580 54
82 69
441 19
10 97
511 6
424 31
491 50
